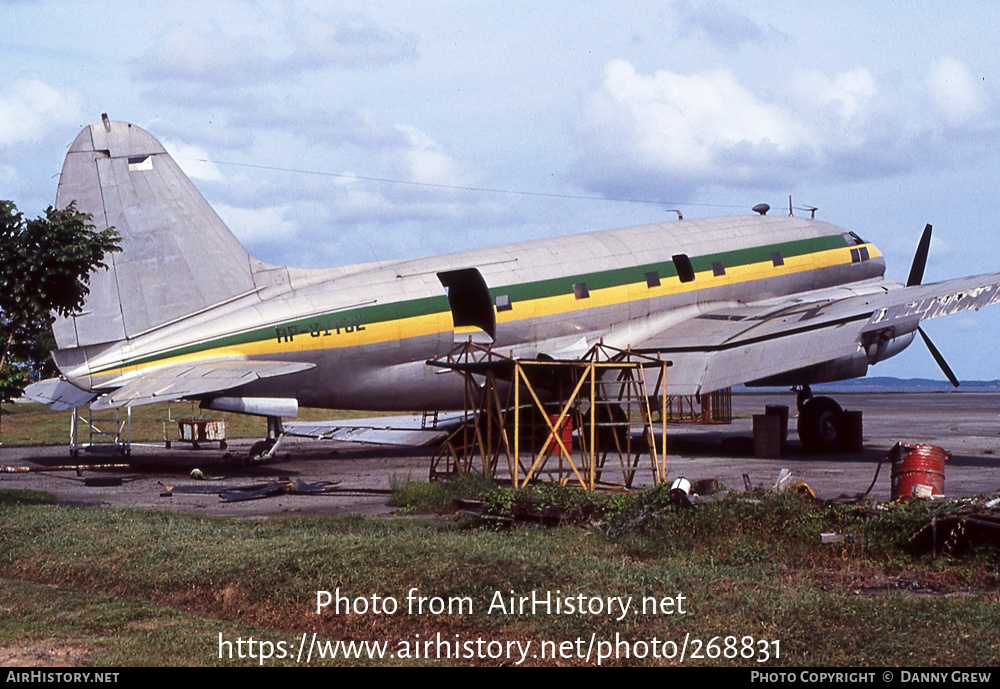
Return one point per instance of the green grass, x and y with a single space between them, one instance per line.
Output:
25 497
136 588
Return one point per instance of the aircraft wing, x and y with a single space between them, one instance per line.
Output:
411 430
190 380
725 344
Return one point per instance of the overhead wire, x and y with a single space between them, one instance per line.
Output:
487 190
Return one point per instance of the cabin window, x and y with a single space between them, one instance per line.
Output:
777 259
503 302
718 268
685 271
580 290
652 279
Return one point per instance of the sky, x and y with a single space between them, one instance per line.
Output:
336 133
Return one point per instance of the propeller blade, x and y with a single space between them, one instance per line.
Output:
942 364
920 258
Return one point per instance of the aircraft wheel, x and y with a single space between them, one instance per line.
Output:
819 424
258 450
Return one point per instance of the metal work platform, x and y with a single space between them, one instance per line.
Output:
107 432
587 422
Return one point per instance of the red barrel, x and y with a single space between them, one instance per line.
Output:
917 465
565 431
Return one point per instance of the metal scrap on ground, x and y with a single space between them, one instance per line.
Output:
256 491
957 534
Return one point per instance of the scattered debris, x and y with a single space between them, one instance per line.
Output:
784 479
78 468
680 493
256 491
786 482
831 538
956 534
706 486
202 476
272 488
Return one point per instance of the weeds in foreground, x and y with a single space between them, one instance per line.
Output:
135 583
753 523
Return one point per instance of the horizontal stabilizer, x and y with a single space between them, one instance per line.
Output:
59 394
191 380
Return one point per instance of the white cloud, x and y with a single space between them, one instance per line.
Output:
193 160
257 224
187 53
847 96
669 133
426 160
30 109
353 41
237 54
689 126
955 93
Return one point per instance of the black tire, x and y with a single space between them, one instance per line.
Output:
819 424
258 450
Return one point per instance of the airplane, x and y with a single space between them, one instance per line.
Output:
185 312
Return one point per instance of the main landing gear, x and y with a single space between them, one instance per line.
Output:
265 449
820 422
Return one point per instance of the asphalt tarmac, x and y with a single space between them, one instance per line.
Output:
967 425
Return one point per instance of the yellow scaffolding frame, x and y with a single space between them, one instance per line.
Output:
483 435
622 396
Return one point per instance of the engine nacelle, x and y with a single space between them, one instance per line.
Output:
882 349
844 368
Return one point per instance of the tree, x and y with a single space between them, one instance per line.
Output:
45 267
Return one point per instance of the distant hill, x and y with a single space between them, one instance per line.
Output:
888 384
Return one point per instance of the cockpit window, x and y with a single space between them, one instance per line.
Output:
853 238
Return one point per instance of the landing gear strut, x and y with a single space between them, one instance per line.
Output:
805 394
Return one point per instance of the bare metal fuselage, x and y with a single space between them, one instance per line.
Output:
370 329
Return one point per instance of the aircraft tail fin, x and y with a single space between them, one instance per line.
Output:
177 255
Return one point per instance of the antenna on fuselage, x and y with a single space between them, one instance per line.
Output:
812 209
680 216
761 208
